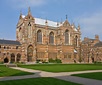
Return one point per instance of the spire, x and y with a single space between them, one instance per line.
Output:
66 17
57 23
46 22
29 11
73 25
61 21
78 27
20 17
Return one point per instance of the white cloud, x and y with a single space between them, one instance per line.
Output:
91 24
26 3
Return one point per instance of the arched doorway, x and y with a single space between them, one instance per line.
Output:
18 57
6 60
12 58
29 53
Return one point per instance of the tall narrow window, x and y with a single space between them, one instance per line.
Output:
66 37
39 36
20 33
29 30
51 38
76 40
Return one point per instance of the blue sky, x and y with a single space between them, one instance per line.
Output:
87 13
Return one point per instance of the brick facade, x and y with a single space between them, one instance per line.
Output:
53 43
39 39
91 50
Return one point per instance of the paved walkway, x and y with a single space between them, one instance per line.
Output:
63 76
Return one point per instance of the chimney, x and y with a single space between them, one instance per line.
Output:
86 38
97 37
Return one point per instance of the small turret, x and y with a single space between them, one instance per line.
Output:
78 27
20 17
73 25
96 37
29 15
57 23
29 11
66 17
46 22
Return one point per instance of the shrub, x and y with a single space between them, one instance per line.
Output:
37 61
1 62
96 62
54 61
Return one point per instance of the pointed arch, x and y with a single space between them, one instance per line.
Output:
51 38
67 37
39 36
29 53
6 60
18 57
12 58
76 40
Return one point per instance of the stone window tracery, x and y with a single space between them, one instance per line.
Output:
51 38
39 36
67 37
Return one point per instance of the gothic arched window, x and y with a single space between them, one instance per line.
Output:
18 57
51 38
66 37
39 36
76 40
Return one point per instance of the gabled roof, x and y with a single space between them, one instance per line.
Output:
99 44
42 22
9 42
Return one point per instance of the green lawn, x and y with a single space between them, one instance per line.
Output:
64 67
37 81
95 75
5 71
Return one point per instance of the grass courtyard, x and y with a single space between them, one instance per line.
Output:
5 71
64 67
37 81
95 75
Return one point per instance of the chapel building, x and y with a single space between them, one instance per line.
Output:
43 39
40 40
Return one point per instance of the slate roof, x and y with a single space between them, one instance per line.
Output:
42 22
9 42
99 44
87 41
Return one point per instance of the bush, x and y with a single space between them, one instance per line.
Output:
54 61
1 62
96 62
37 61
